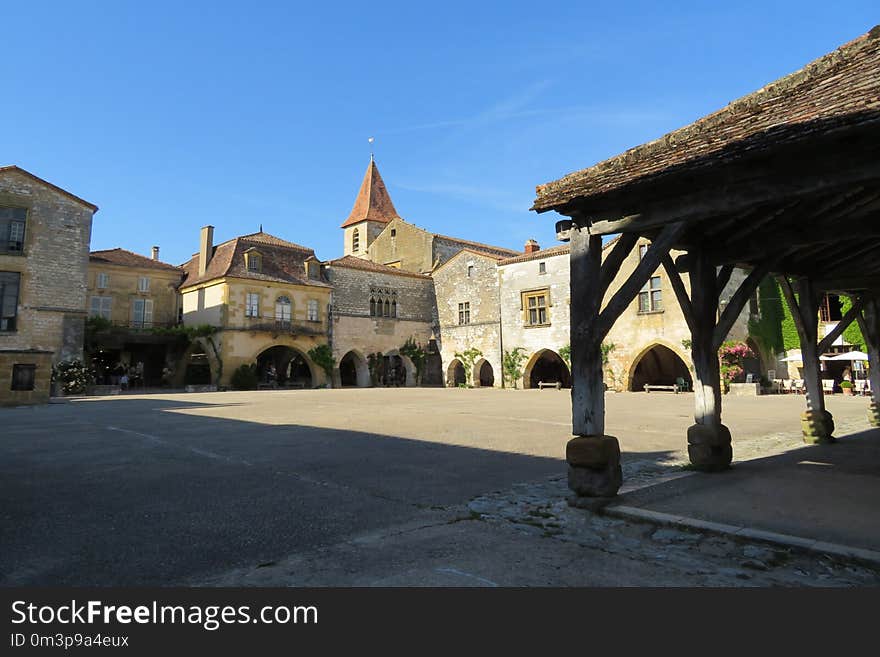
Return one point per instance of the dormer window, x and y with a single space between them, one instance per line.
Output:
253 260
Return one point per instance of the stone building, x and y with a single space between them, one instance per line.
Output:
44 250
133 294
269 302
376 309
469 312
497 305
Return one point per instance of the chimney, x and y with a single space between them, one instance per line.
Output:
155 253
206 248
532 246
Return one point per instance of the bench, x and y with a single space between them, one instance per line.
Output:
549 384
652 386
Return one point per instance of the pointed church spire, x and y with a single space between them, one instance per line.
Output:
373 202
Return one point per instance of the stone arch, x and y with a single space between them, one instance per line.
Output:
455 374
353 370
754 364
547 366
197 363
484 374
409 369
659 363
292 365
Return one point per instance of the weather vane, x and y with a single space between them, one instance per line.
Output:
371 140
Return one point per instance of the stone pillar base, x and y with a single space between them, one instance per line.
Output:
594 466
709 447
873 414
817 427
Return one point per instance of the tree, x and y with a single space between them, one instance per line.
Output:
511 365
322 356
565 354
468 357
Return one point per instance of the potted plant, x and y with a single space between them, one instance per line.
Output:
846 387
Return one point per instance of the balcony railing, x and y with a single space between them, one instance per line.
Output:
285 326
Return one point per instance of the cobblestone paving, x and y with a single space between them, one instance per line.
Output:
540 509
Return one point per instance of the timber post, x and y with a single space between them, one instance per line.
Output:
593 458
817 424
709 442
869 322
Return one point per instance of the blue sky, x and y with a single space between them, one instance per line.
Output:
172 115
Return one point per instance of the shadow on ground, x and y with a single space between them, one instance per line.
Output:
830 493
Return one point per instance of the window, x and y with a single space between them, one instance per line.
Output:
394 309
12 223
464 313
143 284
536 308
142 313
355 240
313 310
829 309
100 307
254 262
650 298
393 232
643 249
282 310
23 377
387 312
372 307
102 281
252 305
9 284
542 267
470 271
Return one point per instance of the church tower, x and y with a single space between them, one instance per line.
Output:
372 211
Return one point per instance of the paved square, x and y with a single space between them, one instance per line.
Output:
164 489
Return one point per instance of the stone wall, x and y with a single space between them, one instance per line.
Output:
520 277
480 290
353 329
42 377
367 233
123 289
409 249
52 266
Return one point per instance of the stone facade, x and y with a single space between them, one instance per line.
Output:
359 329
405 246
471 278
125 278
267 300
49 264
539 273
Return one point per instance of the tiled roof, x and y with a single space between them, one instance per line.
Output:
477 246
373 203
12 167
841 89
282 262
537 255
350 262
561 249
123 258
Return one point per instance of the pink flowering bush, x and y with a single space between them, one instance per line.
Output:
731 355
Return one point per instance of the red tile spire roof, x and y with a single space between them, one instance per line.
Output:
373 202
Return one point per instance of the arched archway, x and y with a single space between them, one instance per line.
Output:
754 364
285 366
658 365
484 375
398 370
353 370
455 374
547 366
